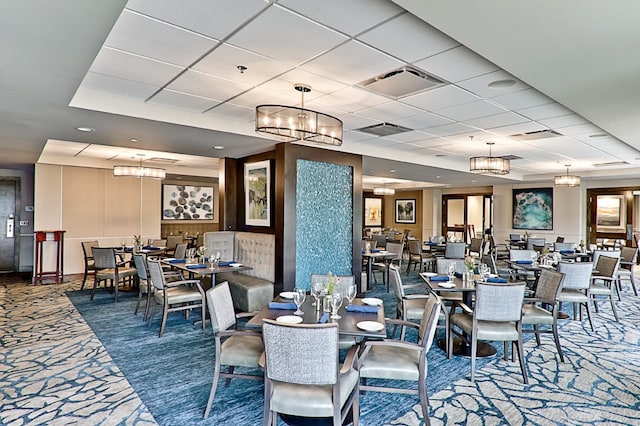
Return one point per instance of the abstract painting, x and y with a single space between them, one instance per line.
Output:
533 208
187 202
405 211
257 191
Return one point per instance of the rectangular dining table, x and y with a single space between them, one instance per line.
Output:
198 269
347 324
372 256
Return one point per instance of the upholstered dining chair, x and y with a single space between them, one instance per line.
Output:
532 241
180 252
234 347
108 269
626 271
605 282
402 360
496 316
542 308
174 296
302 375
455 250
476 247
395 248
89 266
563 246
416 257
172 242
145 288
575 287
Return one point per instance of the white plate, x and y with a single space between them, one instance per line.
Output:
429 274
493 275
382 252
447 284
286 295
372 301
289 319
370 326
237 265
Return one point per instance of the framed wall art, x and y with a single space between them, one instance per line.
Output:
257 192
533 208
184 202
372 212
406 211
611 213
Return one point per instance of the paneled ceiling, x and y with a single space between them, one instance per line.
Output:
166 74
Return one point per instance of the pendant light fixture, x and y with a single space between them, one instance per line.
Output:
489 165
384 190
567 180
139 171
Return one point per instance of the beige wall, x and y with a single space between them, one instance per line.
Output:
91 204
390 207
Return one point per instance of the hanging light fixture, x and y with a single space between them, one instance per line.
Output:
489 165
567 180
139 171
384 190
289 123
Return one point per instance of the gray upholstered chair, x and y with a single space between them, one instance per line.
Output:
496 316
303 376
172 242
597 253
563 246
476 247
145 288
158 242
180 251
89 266
626 271
416 257
174 296
455 250
604 283
380 240
539 242
400 360
108 269
542 308
382 266
575 287
234 347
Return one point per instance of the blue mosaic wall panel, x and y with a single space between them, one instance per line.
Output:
324 220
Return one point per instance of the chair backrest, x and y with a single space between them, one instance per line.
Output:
535 242
476 245
455 250
559 239
516 237
515 254
395 248
344 281
220 305
429 321
159 242
607 266
181 251
371 242
549 285
396 282
563 246
498 301
415 248
381 240
156 274
442 265
598 253
173 241
86 249
140 260
301 353
629 254
104 257
577 275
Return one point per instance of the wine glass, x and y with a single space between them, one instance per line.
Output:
299 294
336 302
316 290
534 257
452 271
351 293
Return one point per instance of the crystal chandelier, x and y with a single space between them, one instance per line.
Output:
567 180
289 123
489 165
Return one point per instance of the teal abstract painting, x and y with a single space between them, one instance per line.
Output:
533 208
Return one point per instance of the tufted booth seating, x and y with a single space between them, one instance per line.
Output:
251 290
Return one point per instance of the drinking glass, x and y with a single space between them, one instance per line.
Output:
299 294
534 257
452 271
351 293
316 291
336 302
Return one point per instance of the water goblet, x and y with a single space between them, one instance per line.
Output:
299 294
336 302
452 271
351 293
316 290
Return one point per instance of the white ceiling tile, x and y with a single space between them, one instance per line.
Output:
440 98
430 141
354 16
259 95
453 65
449 129
408 38
144 36
471 110
412 136
118 86
517 129
390 112
276 33
235 112
563 121
405 147
352 99
544 111
117 63
578 130
479 84
206 85
351 136
377 141
497 120
286 83
346 63
184 101
522 99
355 121
424 120
225 59
197 15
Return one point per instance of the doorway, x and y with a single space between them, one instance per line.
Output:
466 216
8 207
610 218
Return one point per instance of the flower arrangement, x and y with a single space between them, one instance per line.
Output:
137 240
330 283
470 263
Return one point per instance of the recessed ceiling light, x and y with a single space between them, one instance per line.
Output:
473 181
392 171
501 84
85 129
438 177
598 135
218 147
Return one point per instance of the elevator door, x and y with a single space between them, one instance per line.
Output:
7 225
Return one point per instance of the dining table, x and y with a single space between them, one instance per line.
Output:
378 255
438 285
193 268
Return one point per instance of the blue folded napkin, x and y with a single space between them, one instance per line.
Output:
177 260
496 280
225 263
282 305
431 243
524 262
324 318
197 266
375 251
128 249
365 309
566 252
151 248
439 278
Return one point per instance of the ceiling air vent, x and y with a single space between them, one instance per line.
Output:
161 160
538 134
511 157
384 129
611 164
402 82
